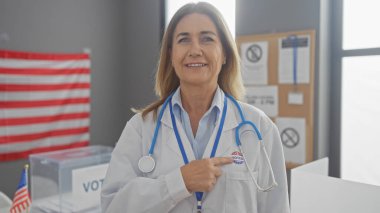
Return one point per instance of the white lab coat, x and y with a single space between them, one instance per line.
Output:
126 189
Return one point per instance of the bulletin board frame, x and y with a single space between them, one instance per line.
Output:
306 110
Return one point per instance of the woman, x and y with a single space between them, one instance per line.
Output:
197 165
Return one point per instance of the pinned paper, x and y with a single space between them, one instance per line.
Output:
294 60
264 98
295 98
255 63
293 138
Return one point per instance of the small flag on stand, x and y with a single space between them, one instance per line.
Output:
21 200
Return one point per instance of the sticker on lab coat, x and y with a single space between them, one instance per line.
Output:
237 157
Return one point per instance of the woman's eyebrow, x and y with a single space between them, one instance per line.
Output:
206 32
182 34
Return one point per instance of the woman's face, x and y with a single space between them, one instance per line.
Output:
197 54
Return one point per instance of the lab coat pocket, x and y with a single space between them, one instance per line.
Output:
241 192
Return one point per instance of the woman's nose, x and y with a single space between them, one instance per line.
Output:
195 49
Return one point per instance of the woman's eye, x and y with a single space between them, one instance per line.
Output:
207 39
182 40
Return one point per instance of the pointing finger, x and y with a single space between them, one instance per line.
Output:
220 161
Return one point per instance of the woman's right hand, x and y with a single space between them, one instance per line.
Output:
201 175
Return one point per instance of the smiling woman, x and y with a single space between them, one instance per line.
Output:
190 148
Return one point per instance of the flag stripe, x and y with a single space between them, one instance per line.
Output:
39 56
41 135
19 64
43 71
20 198
42 119
43 127
43 80
24 154
45 95
23 104
41 111
42 87
62 140
20 195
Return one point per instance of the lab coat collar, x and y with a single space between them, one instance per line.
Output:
231 122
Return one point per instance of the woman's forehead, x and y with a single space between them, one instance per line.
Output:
195 22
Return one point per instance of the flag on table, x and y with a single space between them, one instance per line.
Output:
44 102
21 200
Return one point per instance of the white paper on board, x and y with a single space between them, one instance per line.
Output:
286 62
293 138
255 63
86 186
295 98
264 98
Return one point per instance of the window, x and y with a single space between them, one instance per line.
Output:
360 92
226 7
358 32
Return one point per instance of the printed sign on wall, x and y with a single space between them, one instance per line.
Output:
264 98
294 60
293 137
255 63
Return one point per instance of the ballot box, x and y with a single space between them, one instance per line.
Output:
68 180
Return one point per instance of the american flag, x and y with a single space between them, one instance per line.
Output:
44 102
21 200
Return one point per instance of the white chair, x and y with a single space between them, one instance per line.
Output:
5 203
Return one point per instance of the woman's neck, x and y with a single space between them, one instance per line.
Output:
197 99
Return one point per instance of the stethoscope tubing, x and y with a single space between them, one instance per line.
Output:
158 124
238 143
237 139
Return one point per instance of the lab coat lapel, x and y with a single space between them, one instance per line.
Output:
227 138
170 139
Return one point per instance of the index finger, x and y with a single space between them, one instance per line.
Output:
220 161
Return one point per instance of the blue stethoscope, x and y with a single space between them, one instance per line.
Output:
147 163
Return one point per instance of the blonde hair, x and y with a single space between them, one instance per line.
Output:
229 79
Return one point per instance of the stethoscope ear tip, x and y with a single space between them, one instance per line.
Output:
274 185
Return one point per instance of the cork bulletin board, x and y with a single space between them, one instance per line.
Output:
294 97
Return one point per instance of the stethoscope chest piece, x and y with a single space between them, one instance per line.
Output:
146 164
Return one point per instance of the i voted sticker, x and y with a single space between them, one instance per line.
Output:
237 157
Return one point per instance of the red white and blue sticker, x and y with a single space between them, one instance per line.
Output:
237 157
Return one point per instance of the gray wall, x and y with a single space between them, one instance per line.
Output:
124 37
142 26
123 40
